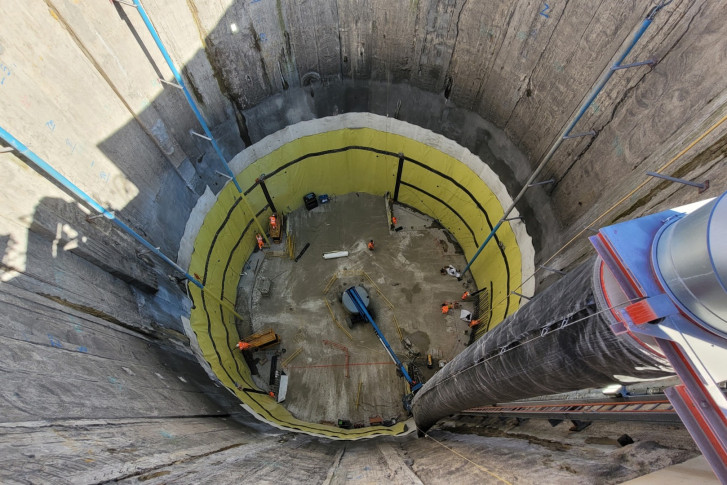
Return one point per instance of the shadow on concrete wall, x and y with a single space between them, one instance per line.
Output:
91 269
72 351
87 264
85 292
262 99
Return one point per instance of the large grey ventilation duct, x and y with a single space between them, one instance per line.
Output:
691 260
559 342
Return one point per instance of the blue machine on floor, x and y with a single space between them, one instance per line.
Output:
361 307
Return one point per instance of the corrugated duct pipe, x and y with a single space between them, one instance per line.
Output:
559 342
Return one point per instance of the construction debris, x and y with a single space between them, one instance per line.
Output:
335 254
261 340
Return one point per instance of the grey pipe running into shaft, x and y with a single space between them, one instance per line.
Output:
560 341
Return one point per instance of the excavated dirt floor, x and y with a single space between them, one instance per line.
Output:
402 276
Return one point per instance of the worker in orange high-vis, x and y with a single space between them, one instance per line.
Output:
259 240
370 245
474 323
465 295
445 308
393 220
273 221
242 345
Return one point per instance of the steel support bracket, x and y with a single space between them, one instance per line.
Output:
650 309
648 62
544 182
174 85
702 187
194 133
97 216
144 252
122 2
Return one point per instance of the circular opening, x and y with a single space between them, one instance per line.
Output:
362 169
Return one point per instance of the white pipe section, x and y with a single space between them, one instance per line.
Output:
335 254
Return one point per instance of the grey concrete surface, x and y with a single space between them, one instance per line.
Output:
63 363
466 450
522 67
489 450
79 85
405 266
100 450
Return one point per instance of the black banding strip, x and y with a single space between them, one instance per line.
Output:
398 177
328 152
444 204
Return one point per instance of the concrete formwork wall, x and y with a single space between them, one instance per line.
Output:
79 85
337 156
524 66
88 95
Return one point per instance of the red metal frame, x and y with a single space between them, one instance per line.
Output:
676 333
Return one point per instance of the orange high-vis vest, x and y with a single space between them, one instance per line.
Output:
393 220
474 323
259 240
243 345
371 245
445 309
465 294
273 222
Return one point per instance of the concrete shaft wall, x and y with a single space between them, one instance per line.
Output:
87 94
79 84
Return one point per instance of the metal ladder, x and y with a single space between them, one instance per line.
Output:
643 408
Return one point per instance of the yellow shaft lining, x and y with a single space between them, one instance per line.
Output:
338 162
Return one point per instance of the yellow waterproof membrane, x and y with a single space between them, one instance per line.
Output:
335 163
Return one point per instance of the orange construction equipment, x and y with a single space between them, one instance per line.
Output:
449 305
260 241
260 340
275 228
370 245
